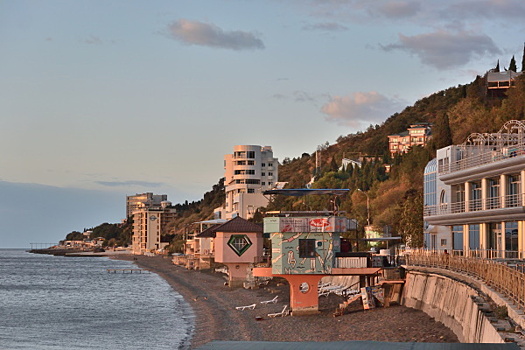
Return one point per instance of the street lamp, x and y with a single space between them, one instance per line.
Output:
367 207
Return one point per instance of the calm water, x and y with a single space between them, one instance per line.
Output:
49 302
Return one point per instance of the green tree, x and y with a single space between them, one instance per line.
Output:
512 65
411 223
74 236
441 133
523 60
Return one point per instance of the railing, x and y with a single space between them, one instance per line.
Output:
509 201
491 156
351 262
507 277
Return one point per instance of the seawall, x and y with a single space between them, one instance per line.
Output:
454 303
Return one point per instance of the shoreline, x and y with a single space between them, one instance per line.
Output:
215 317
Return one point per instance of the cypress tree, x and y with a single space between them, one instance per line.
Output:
523 59
497 67
442 135
512 65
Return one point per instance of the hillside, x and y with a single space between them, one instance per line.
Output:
395 197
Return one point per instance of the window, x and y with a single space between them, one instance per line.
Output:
250 154
244 172
443 200
473 236
457 237
251 162
239 244
263 183
443 242
263 164
307 248
511 238
493 201
252 181
251 190
263 174
270 174
513 190
475 196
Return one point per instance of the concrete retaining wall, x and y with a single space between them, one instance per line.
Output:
451 303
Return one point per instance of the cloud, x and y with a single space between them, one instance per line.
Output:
488 9
206 34
129 183
445 50
303 96
326 26
399 9
361 109
93 40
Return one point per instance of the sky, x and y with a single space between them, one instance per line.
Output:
102 99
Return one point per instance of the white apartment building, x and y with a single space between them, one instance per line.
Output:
139 200
249 171
477 192
149 224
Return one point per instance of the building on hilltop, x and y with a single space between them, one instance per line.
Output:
477 192
150 223
501 80
144 199
416 135
249 171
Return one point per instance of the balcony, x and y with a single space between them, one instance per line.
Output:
488 154
479 210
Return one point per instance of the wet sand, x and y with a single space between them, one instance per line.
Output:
217 319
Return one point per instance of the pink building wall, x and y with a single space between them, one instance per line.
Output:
225 254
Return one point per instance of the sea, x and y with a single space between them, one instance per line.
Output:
56 302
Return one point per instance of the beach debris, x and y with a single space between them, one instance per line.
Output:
242 308
285 312
273 301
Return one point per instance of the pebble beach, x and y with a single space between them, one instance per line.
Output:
216 317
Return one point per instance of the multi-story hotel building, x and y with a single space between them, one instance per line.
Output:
249 171
144 199
476 191
416 135
149 224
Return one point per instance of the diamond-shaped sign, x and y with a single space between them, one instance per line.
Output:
239 244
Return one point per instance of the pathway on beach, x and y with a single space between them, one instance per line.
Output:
217 319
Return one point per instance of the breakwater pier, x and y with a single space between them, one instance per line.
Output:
127 271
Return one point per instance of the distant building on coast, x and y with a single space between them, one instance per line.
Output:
249 171
147 199
475 195
415 135
150 223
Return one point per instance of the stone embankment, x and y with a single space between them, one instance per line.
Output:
461 304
